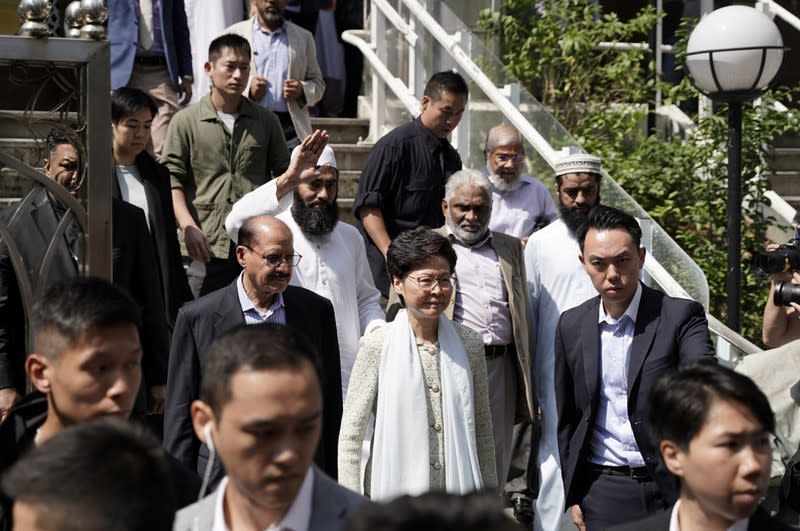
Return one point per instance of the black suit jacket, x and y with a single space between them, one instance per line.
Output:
201 322
669 332
172 277
134 267
760 521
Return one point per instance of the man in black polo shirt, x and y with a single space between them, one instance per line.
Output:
402 183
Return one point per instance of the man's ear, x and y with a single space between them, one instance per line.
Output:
672 455
444 207
46 165
207 66
39 368
202 420
424 102
240 250
642 253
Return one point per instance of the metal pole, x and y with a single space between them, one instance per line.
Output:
734 212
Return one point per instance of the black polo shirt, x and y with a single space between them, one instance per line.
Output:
404 177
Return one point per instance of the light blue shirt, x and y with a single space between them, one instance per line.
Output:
612 442
271 57
275 315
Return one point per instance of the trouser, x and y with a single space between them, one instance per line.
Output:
155 81
502 403
218 273
289 132
614 499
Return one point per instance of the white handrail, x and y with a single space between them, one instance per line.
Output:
357 38
397 85
769 7
482 80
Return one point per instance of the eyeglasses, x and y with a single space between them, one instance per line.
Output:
502 158
573 192
427 283
274 260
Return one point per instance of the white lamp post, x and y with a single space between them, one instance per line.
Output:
733 55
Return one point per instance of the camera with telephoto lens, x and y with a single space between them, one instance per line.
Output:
786 293
783 259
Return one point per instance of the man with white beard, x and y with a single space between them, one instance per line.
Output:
521 204
491 298
557 282
334 262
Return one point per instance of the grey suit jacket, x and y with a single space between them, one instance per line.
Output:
331 504
303 67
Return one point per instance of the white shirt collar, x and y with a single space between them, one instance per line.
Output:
739 525
297 518
631 311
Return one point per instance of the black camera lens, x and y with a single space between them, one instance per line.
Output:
784 258
786 293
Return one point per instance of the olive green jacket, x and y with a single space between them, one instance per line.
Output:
215 168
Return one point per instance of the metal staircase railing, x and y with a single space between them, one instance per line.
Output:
408 41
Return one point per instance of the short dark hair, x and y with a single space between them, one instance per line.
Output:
603 217
447 81
413 247
126 101
680 401
103 475
252 348
435 510
227 40
69 308
57 137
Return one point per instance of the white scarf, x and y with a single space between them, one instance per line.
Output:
400 447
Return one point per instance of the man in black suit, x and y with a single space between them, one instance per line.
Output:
713 426
260 294
35 224
608 358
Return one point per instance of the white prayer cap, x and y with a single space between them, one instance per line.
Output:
578 163
327 156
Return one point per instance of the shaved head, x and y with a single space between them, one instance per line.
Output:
263 229
505 135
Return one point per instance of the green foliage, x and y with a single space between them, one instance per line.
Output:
601 97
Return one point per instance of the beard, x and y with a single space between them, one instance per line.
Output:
506 186
313 220
466 236
572 218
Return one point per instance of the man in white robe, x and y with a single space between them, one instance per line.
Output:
557 282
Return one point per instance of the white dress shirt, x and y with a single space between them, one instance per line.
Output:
612 442
333 265
739 525
131 188
297 519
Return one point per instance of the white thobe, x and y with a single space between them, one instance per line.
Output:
333 265
557 282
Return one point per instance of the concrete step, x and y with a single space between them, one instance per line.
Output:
786 182
343 130
351 157
348 183
785 158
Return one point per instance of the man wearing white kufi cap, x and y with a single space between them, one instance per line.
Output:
557 282
334 262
